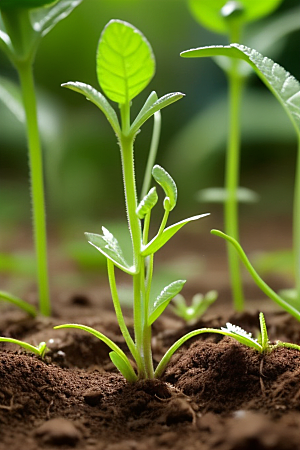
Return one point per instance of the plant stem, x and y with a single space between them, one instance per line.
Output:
232 182
152 153
296 227
37 184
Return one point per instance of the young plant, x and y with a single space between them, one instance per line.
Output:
260 283
125 66
287 91
231 18
25 22
200 303
40 350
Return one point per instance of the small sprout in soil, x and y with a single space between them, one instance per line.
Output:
200 303
40 350
25 22
125 66
260 283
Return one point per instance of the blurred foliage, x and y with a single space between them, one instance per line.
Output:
82 159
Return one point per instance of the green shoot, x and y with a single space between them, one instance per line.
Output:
231 18
40 350
25 23
125 66
260 283
200 303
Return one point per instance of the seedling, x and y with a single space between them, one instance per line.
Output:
231 18
287 91
125 66
40 350
25 23
199 305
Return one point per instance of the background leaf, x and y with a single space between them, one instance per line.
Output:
125 62
208 12
10 95
24 3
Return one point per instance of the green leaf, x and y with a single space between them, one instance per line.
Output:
219 195
147 203
147 105
18 302
159 104
125 62
98 99
159 240
263 332
10 95
209 13
122 366
43 20
164 298
165 180
10 4
40 350
283 85
114 347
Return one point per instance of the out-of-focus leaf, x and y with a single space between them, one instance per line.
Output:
219 195
10 4
125 62
10 95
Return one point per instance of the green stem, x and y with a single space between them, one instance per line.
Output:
37 184
232 182
296 227
163 222
152 153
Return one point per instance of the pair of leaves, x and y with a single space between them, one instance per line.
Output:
280 82
199 305
109 246
214 14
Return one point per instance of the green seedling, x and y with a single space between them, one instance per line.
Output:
24 23
262 344
260 283
125 66
231 18
287 91
200 303
40 350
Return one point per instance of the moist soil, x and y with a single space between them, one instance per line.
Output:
214 394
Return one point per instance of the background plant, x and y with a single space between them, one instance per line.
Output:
125 65
25 22
196 309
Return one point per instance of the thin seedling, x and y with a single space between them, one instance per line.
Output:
39 350
125 66
25 22
200 303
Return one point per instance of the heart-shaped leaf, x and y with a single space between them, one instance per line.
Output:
99 100
159 104
147 203
43 20
283 85
165 180
125 62
164 298
158 241
108 245
214 14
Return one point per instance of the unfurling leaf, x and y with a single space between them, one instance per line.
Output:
164 298
98 99
108 245
158 241
165 180
147 203
125 62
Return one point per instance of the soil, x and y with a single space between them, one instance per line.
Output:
215 394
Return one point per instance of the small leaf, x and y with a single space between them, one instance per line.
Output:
159 104
43 20
108 245
164 298
11 96
125 62
283 85
208 12
40 350
122 366
219 195
147 105
147 203
10 4
98 99
165 180
158 241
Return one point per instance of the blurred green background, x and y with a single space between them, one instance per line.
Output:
82 165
